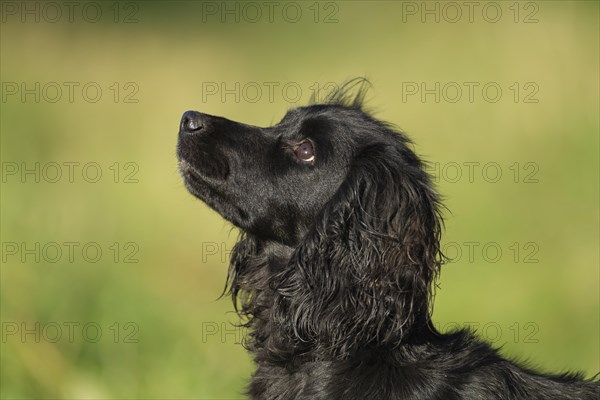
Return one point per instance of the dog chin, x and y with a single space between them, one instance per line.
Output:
202 188
193 180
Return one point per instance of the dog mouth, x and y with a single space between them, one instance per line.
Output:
199 182
189 174
196 183
202 164
211 192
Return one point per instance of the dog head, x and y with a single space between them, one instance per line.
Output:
347 194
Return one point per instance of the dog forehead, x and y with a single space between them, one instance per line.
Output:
321 118
333 111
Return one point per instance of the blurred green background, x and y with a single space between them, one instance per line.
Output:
142 319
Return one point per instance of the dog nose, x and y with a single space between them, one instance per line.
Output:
192 122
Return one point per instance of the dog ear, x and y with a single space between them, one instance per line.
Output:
363 275
245 271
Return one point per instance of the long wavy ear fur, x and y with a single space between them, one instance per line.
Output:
363 276
248 283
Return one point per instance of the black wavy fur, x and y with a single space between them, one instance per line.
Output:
335 269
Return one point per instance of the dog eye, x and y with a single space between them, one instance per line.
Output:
305 151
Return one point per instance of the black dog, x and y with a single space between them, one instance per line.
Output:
335 267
